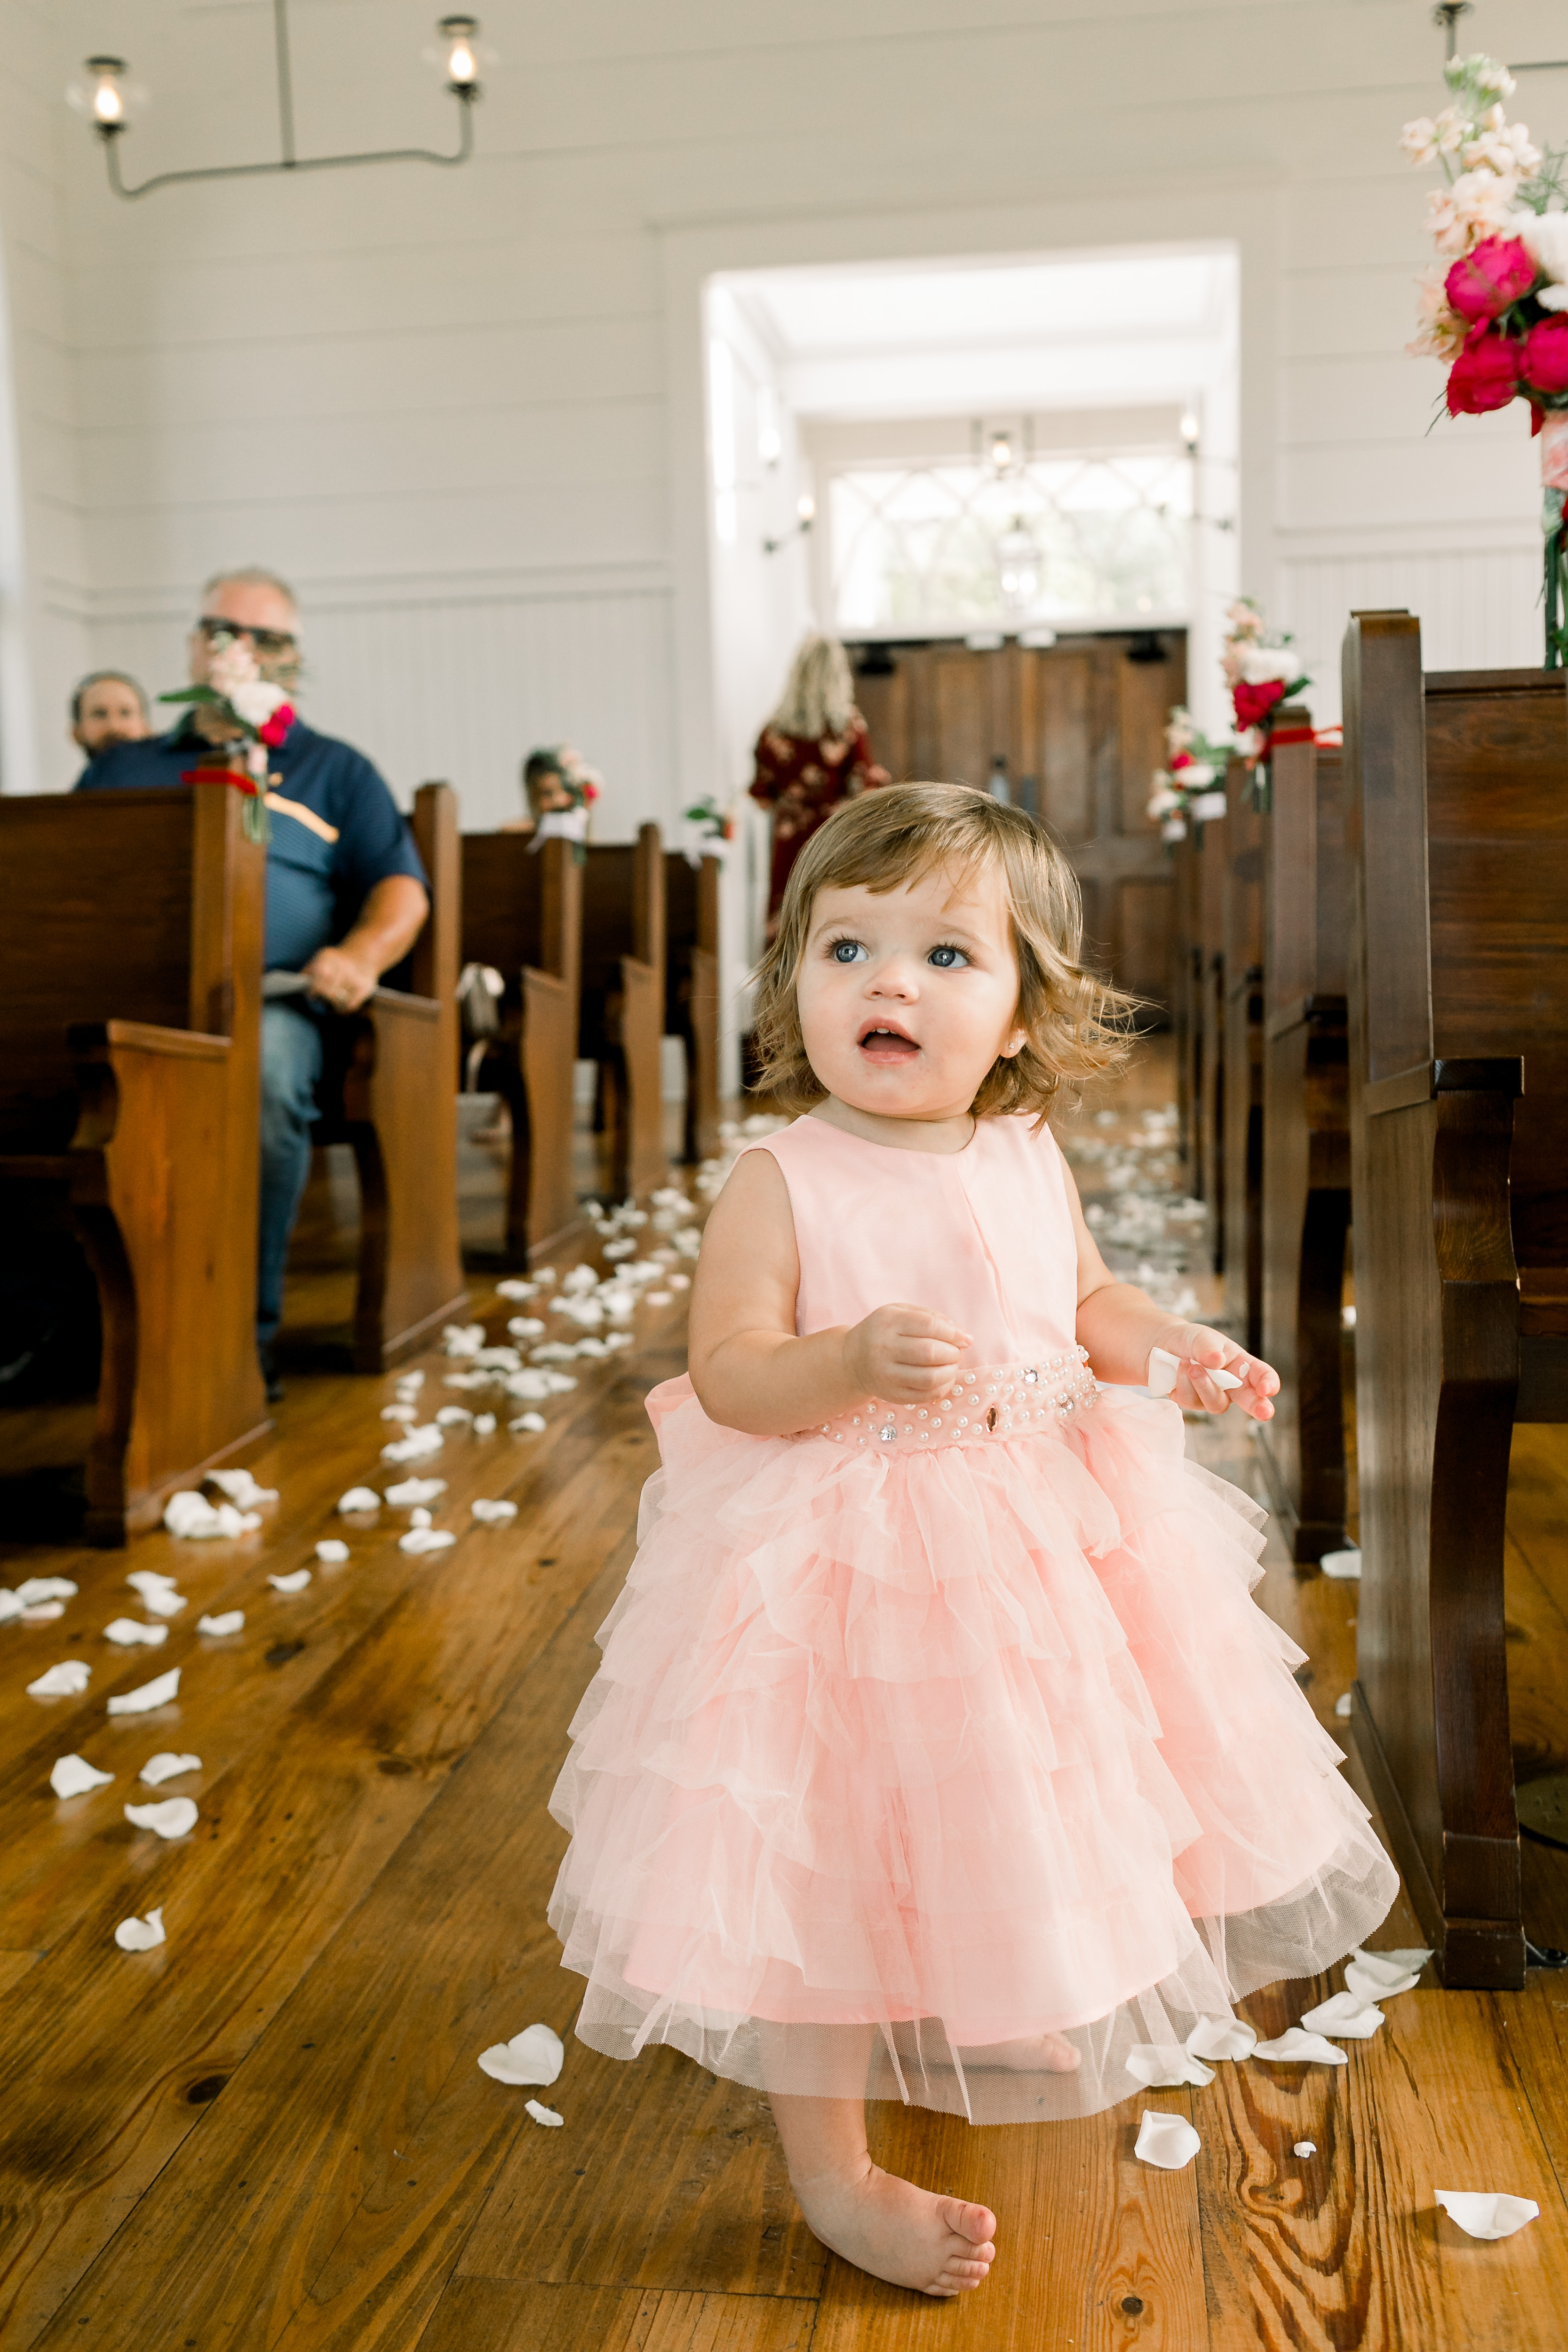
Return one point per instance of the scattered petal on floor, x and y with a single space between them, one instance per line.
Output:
484 1425
452 1416
332 1552
404 1412
190 1514
159 1597
174 1818
294 1583
680 1282
1344 2014
1485 2212
535 2055
526 1326
360 1498
227 1621
128 1630
1341 1563
1345 1706
541 2114
410 1383
1157 2066
492 1514
157 1692
1222 2037
65 1681
416 1490
140 1934
1305 2147
513 1288
527 1424
240 1488
73 1776
167 1766
44 1612
659 1298
420 1518
415 1445
1295 2048
10 1607
1168 2141
1374 1976
420 1540
39 1589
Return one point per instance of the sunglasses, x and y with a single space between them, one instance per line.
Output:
270 642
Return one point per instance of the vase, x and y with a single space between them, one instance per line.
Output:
1554 491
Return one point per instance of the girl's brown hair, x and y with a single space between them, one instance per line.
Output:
1078 1026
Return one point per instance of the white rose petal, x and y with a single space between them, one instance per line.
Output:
127 1632
527 1424
37 1589
140 1934
294 1583
360 1498
415 1445
332 1552
230 1620
415 1491
157 1692
542 2114
527 1326
73 1776
1486 2213
420 1518
535 2055
484 1425
1294 2048
1222 2037
452 1416
1168 2141
1341 1564
1158 2066
44 1612
174 1818
167 1766
424 1540
67 1680
406 1413
241 1489
162 1603
492 1514
1305 2147
1344 2013
1376 1976
191 1515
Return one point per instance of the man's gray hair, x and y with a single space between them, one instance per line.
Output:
249 575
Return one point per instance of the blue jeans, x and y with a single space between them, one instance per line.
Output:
291 1066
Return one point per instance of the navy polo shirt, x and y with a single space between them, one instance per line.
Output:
336 829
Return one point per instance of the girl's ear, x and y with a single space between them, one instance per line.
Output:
1016 1044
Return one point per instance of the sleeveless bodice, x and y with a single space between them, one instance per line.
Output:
983 1236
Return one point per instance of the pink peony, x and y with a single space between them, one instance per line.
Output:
1485 375
1545 365
1486 281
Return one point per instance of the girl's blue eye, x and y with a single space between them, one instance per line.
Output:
947 959
845 950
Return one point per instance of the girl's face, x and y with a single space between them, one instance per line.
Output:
908 996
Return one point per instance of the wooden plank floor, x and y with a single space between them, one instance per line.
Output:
271 2130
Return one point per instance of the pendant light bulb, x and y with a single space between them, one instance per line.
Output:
462 61
108 100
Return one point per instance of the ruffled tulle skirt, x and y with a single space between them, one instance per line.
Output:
897 1763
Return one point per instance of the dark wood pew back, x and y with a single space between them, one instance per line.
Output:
692 992
1457 827
522 915
623 994
1306 1144
130 1106
1209 859
1242 1039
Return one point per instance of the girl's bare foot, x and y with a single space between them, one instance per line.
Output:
1046 2053
899 2233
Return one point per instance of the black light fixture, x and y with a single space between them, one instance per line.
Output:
108 102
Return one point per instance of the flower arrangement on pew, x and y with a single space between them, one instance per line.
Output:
256 712
1262 669
1191 785
1494 309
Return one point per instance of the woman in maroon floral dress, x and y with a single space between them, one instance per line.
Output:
813 753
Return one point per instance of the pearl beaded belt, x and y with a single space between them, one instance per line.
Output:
995 1401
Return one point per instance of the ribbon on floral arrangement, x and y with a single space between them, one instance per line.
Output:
258 824
1327 739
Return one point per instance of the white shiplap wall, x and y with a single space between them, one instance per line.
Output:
450 403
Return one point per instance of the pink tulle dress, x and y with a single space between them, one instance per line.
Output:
956 1724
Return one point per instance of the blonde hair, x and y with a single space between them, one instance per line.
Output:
819 698
1076 1025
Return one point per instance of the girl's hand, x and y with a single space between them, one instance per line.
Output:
904 1355
1200 1350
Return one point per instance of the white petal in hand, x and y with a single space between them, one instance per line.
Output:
174 1818
1168 2141
1165 1370
1485 2212
535 2055
140 1934
73 1776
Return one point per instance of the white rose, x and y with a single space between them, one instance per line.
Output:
253 700
1260 664
1545 239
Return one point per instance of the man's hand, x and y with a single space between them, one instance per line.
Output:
341 979
904 1355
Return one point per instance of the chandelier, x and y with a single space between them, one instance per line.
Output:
108 100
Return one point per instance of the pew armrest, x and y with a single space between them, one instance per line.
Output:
93 1040
1501 1074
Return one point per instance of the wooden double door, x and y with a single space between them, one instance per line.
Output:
1081 725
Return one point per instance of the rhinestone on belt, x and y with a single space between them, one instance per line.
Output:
997 1400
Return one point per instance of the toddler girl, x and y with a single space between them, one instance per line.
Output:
937 1752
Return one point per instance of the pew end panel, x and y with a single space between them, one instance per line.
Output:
1241 1044
691 994
621 1022
640 1024
547 1207
1209 847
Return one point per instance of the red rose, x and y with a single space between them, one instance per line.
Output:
590 792
278 726
1253 704
1180 760
1485 375
1545 363
1486 281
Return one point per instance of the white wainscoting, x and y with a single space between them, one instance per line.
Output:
1479 605
458 678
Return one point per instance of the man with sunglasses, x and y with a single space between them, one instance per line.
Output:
345 890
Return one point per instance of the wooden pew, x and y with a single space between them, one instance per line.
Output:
1241 955
1456 821
1209 859
389 1090
130 1112
1306 1145
1185 1002
522 914
691 993
621 1027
